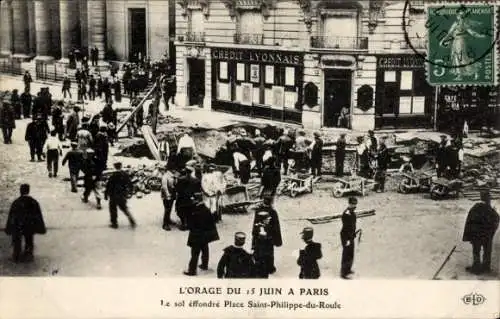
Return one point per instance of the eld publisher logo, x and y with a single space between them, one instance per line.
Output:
473 299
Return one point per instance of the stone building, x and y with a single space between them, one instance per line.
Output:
320 63
49 29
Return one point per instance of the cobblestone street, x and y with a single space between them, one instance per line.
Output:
409 237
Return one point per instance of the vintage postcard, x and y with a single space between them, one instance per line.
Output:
249 159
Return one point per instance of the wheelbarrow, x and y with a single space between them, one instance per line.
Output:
415 182
352 184
235 200
442 187
297 184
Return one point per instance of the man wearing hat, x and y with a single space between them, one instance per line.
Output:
480 227
66 86
57 120
89 169
266 235
74 159
36 134
271 178
442 156
101 148
316 155
202 231
258 150
72 124
308 257
347 236
7 121
383 159
186 188
340 155
168 194
185 149
116 191
284 145
236 262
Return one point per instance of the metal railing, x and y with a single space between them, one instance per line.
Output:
334 42
194 37
249 38
49 72
11 66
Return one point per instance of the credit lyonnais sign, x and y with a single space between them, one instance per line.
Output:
400 62
275 57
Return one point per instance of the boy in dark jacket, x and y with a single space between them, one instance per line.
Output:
236 262
25 219
308 257
74 159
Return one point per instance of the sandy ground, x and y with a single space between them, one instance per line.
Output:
409 238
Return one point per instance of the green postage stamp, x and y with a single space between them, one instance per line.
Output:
462 44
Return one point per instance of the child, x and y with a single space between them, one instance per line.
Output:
308 257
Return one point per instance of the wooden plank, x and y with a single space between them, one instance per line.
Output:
136 109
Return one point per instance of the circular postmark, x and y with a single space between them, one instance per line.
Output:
456 35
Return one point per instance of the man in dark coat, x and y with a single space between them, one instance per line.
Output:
66 87
383 159
340 155
57 120
202 231
442 156
89 169
266 235
36 134
7 121
347 236
284 145
308 257
26 100
316 155
25 220
107 113
74 159
72 124
480 227
27 79
101 148
271 178
15 101
92 88
117 190
186 188
236 262
99 86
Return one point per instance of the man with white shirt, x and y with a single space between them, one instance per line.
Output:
53 149
185 149
213 185
242 166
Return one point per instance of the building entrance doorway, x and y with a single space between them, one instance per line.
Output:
196 84
137 34
337 96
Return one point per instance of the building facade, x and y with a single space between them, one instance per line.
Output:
120 29
340 63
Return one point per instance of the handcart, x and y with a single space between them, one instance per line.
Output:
296 184
235 200
415 182
442 187
352 184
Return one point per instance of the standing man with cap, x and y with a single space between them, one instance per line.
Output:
101 148
25 219
480 227
168 194
383 159
316 155
272 237
186 188
53 149
72 124
284 145
258 151
116 191
236 262
308 257
185 149
202 231
74 159
340 155
347 236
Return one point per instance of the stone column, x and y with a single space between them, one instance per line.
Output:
6 25
21 28
84 24
97 25
43 29
55 26
31 27
69 19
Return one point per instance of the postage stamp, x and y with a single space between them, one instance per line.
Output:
462 44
